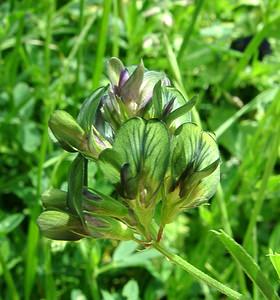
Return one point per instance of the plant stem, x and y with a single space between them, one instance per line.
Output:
177 260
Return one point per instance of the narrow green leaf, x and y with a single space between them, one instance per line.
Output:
88 110
76 180
180 111
275 260
248 264
157 99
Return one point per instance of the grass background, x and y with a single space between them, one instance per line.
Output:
52 55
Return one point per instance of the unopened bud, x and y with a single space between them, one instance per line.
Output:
58 225
67 131
107 228
54 198
99 203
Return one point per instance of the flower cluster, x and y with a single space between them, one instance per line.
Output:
139 132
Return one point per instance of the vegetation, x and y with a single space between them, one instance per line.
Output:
52 57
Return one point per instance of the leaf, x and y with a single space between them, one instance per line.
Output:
131 290
10 223
109 162
124 250
76 180
177 113
107 296
89 108
31 137
77 295
248 264
173 94
140 258
195 160
157 99
144 146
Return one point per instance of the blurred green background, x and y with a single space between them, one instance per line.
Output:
52 55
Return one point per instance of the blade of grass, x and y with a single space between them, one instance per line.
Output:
80 51
245 109
80 39
248 265
249 52
227 228
50 289
274 145
190 29
33 231
101 45
9 280
116 33
90 269
172 60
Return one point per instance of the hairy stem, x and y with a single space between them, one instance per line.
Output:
180 262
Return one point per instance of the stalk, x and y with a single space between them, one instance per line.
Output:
198 274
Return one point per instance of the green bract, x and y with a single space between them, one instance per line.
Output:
139 131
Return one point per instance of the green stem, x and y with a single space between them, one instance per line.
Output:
180 262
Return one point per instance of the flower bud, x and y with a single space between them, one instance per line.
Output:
67 131
97 143
58 225
101 204
54 198
195 171
130 91
107 228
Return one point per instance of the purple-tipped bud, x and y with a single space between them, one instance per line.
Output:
90 195
107 228
123 77
95 221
